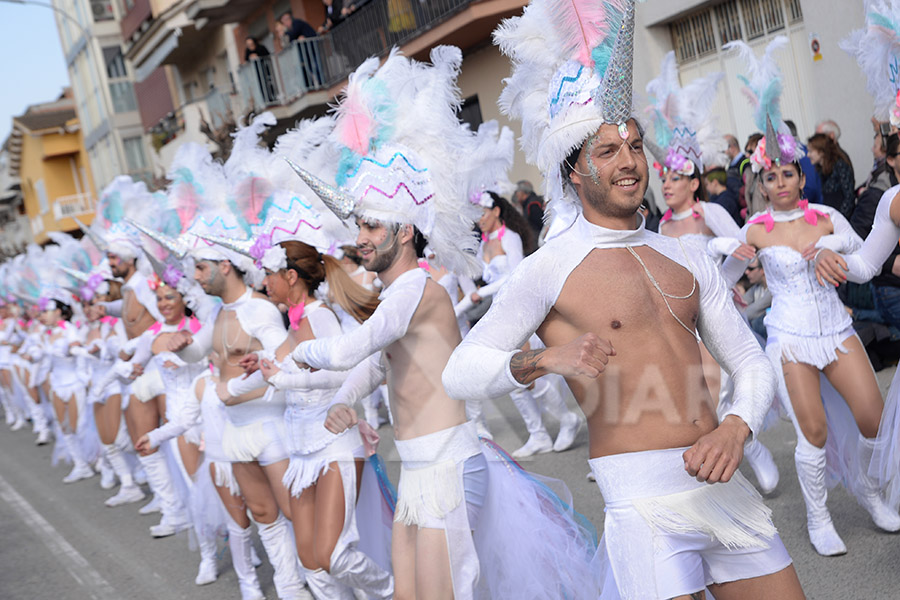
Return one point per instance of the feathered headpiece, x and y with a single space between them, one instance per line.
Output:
122 198
493 157
571 73
877 50
763 87
686 139
401 147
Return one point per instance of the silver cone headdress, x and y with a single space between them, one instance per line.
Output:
339 202
98 241
178 247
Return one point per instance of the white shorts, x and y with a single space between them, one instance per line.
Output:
687 534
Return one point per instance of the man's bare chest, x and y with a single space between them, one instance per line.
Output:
621 292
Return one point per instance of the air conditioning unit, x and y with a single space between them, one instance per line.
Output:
102 10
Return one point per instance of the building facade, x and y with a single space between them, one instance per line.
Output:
47 156
15 231
103 88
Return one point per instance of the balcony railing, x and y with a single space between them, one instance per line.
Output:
72 206
321 62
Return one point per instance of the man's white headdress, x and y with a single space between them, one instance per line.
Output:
401 148
572 66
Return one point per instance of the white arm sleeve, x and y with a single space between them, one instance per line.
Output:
239 386
844 238
866 263
200 347
733 268
479 367
114 308
187 417
387 324
730 341
361 381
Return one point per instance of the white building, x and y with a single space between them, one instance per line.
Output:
829 86
102 83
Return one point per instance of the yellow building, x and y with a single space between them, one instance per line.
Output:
47 154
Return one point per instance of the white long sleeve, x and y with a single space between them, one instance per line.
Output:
362 380
387 324
187 417
867 262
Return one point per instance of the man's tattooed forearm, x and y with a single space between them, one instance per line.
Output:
524 365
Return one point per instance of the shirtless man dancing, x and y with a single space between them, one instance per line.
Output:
620 310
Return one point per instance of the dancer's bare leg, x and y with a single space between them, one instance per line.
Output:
853 378
141 418
108 417
783 585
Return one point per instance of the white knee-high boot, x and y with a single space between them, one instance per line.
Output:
276 538
872 500
810 462
129 491
323 586
355 569
548 399
760 460
241 545
539 441
80 470
208 571
174 517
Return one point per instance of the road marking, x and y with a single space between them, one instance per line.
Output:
77 566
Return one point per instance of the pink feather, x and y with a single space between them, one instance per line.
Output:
251 195
355 125
583 27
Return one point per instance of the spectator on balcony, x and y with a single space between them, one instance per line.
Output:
333 15
354 6
295 29
254 50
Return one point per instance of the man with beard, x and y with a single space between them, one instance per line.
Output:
621 310
247 323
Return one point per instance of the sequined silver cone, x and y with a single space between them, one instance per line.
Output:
178 247
340 203
241 247
616 98
773 150
98 241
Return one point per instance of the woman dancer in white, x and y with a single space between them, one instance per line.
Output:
501 250
810 332
326 469
687 141
66 388
181 411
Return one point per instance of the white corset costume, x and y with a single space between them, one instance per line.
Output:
308 396
807 321
498 269
98 365
64 379
725 232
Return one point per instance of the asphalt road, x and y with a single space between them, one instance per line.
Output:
59 541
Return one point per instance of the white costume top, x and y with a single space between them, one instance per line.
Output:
808 319
725 236
307 393
360 349
261 320
65 379
479 367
